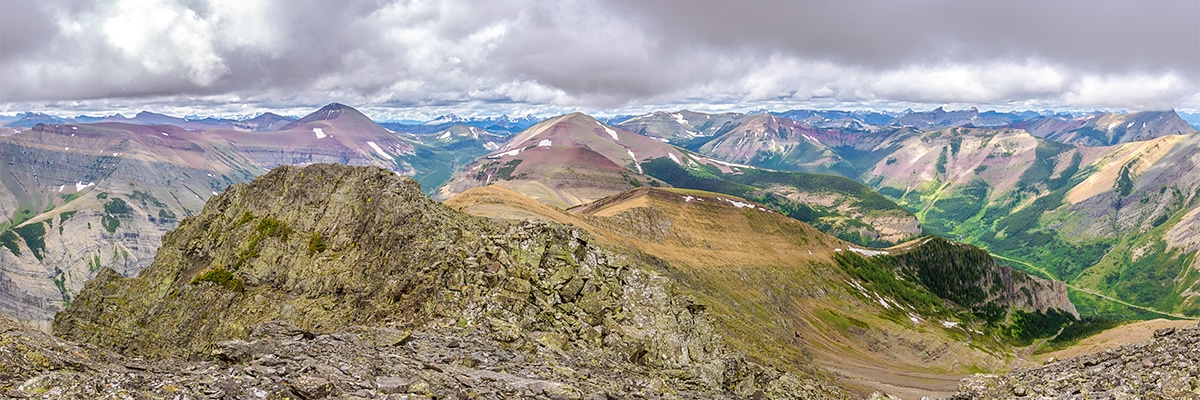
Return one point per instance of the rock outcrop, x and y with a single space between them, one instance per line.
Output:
335 280
1166 367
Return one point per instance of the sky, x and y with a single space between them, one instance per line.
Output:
418 59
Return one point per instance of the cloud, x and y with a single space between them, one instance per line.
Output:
415 56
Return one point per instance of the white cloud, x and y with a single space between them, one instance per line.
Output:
164 37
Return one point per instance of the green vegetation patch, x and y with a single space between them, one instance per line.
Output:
315 244
220 276
1076 331
1027 326
34 235
9 239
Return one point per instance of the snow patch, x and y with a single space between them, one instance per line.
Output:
491 145
319 132
664 140
445 135
379 150
635 162
914 318
609 130
74 128
544 143
688 199
680 120
736 203
509 153
868 253
61 187
673 158
949 324
164 134
80 186
214 193
67 149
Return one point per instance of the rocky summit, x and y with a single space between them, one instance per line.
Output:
1166 367
347 282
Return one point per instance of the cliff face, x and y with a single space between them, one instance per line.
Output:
327 249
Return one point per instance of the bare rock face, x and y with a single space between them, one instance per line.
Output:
331 280
1166 367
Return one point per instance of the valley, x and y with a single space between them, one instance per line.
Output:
818 244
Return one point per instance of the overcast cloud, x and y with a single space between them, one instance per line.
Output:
420 58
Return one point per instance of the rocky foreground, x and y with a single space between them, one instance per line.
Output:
1166 367
331 281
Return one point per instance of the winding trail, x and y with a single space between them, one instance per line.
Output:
1093 292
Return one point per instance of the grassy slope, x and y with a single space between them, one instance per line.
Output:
785 292
757 185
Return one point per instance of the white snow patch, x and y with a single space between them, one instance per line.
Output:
868 253
688 199
739 204
914 318
635 163
72 135
680 120
609 130
664 140
814 141
116 154
445 135
319 132
164 134
67 149
491 145
675 159
509 153
728 164
74 128
544 143
80 186
214 193
379 150
949 324
61 187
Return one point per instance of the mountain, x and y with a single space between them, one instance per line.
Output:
503 125
834 119
680 127
332 261
1064 211
971 117
265 122
565 161
836 205
792 292
1106 129
764 140
80 197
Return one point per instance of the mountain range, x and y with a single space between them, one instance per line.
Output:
859 243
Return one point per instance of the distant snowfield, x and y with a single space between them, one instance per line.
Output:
379 150
673 158
544 143
80 186
320 133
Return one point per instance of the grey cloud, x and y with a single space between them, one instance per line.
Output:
619 54
1094 34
